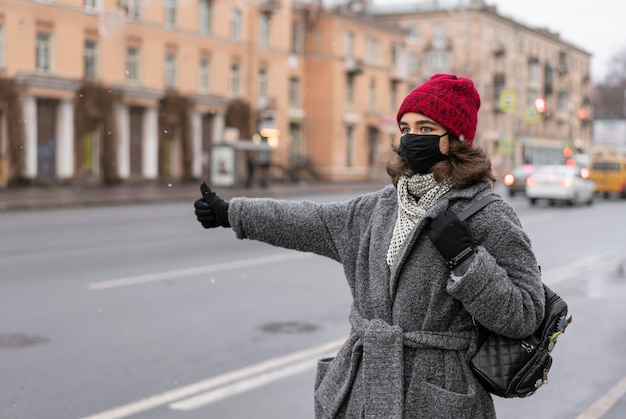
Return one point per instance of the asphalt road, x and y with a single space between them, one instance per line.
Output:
135 311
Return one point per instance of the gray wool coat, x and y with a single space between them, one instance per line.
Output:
411 325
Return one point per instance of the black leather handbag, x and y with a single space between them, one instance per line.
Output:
518 367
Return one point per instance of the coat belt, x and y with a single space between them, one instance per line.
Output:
383 360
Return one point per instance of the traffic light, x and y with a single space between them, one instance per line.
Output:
540 105
582 114
567 152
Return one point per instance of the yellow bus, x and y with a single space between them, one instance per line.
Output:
608 172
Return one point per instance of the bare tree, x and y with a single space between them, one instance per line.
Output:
609 96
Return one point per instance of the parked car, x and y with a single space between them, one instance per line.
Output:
559 183
516 180
609 175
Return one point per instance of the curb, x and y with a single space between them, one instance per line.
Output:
36 198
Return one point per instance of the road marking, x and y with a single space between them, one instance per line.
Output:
199 270
245 377
601 406
561 273
242 386
229 384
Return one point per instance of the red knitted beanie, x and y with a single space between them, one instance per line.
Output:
449 100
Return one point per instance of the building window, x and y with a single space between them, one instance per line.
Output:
170 70
264 30
235 25
43 51
371 103
563 102
297 38
91 59
204 74
132 64
531 96
2 46
350 91
235 80
562 67
393 97
132 9
414 63
499 84
533 71
294 93
349 146
297 151
170 13
439 39
414 33
91 5
206 13
373 51
263 88
396 52
350 45
438 62
548 80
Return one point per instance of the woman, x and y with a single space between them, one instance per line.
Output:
418 275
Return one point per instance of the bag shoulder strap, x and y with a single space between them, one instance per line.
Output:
477 206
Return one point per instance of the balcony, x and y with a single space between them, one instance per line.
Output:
295 114
353 66
399 72
400 67
266 107
499 50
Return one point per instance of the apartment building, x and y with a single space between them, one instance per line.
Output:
106 91
356 78
514 66
110 91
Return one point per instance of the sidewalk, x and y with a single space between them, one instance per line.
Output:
37 197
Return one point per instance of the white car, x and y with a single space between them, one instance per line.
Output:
556 183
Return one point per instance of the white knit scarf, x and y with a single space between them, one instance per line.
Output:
416 194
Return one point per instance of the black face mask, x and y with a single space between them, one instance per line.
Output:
421 152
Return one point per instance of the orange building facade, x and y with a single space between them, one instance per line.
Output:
102 91
108 91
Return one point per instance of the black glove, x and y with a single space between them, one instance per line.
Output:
452 238
211 210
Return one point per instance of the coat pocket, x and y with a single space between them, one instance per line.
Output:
334 381
323 364
322 368
426 400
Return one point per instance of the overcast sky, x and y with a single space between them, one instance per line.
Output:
596 26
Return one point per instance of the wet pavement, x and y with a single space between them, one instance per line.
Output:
611 405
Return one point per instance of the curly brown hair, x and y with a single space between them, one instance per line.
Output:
465 166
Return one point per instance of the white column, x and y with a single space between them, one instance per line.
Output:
65 140
219 120
123 140
29 111
150 144
196 144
